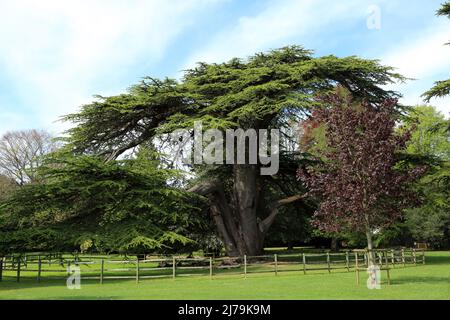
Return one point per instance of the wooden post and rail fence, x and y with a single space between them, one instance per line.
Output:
41 267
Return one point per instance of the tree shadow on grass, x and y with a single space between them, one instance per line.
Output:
73 298
9 284
442 259
421 279
12 284
9 290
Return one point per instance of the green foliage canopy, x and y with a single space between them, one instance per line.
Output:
257 93
122 205
431 221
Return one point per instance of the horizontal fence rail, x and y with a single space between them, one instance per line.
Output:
101 267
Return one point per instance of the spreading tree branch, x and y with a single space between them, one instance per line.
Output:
273 211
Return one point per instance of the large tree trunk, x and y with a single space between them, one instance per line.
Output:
236 216
246 201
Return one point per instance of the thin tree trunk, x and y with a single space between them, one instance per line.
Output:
370 256
334 244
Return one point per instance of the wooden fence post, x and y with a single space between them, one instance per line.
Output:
393 258
403 257
386 260
39 269
328 262
174 268
347 262
210 267
304 263
137 270
1 269
414 256
18 271
275 259
102 270
245 266
357 268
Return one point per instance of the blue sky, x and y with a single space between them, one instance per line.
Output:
55 55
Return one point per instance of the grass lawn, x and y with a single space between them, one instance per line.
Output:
429 281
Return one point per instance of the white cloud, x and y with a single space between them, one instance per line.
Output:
421 57
12 121
425 59
275 26
55 52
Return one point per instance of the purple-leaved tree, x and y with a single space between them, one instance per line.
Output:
359 181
